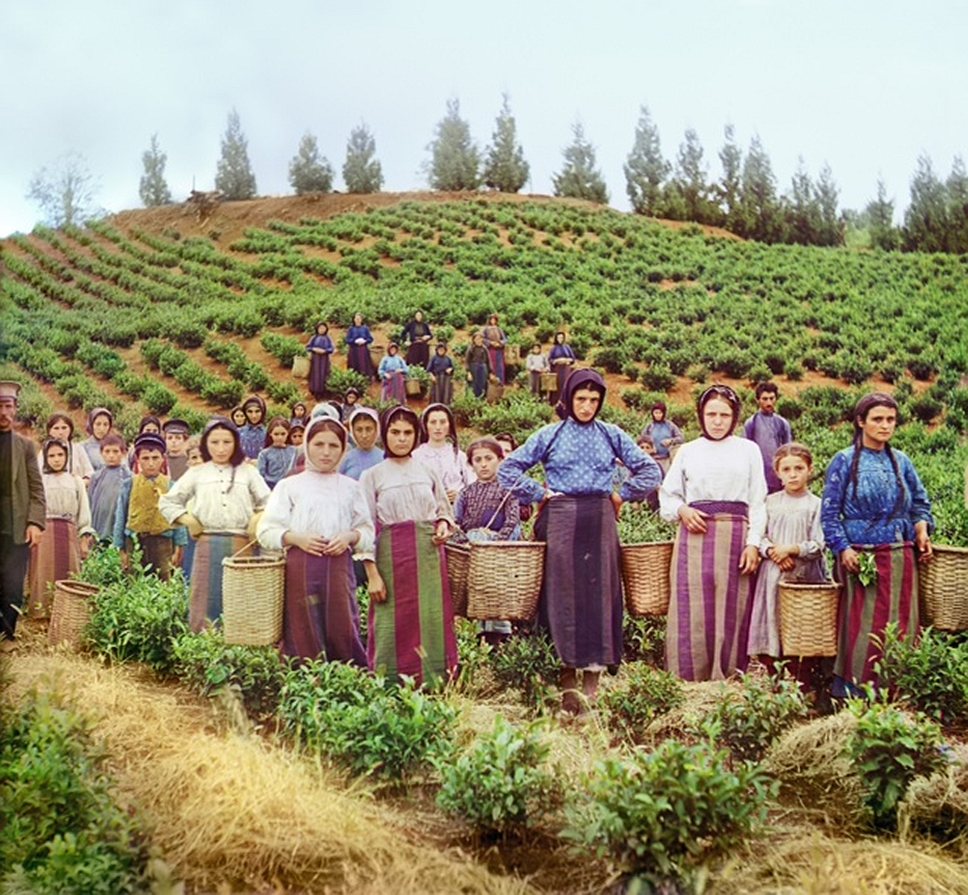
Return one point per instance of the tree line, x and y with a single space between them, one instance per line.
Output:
745 198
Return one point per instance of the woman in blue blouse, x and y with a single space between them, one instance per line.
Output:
581 598
874 503
358 338
665 435
320 347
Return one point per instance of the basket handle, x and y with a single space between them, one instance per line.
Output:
243 549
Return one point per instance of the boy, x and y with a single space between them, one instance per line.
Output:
137 511
363 425
106 485
176 441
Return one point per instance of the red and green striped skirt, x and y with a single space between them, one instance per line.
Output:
412 633
205 599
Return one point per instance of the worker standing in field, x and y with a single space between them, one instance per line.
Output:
769 430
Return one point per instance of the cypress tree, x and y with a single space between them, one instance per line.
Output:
234 177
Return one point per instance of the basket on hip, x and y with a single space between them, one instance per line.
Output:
943 586
808 618
70 613
300 366
645 575
414 387
504 579
253 592
549 382
458 568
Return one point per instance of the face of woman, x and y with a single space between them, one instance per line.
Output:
321 329
59 430
56 458
438 427
357 319
658 414
560 338
238 417
877 428
100 426
585 403
400 438
717 417
299 410
418 316
364 432
485 463
325 450
150 427
253 414
221 445
391 350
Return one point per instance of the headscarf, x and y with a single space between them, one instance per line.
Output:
56 442
723 393
149 418
315 425
429 409
324 409
365 411
395 412
93 415
587 379
255 399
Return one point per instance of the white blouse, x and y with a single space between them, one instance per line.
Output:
216 505
454 470
67 499
80 463
727 470
322 504
405 491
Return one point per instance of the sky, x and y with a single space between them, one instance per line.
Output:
863 85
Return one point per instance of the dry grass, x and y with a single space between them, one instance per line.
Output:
938 805
229 810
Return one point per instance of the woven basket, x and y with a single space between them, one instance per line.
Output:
70 613
300 366
504 579
549 382
414 387
943 586
253 590
808 618
645 574
376 355
458 567
495 391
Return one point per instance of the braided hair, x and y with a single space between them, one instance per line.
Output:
864 406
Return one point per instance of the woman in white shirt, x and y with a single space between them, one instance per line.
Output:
716 490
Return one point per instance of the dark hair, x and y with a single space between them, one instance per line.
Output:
64 446
302 404
452 435
580 380
59 416
149 418
864 406
322 323
723 393
763 387
112 438
487 442
660 405
559 333
324 423
220 422
509 438
277 422
386 420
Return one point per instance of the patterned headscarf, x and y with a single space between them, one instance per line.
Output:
722 393
588 379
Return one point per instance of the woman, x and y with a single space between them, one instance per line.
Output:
716 490
441 368
100 421
358 338
495 342
411 626
581 597
478 364
665 435
440 450
417 336
393 375
562 359
874 504
320 347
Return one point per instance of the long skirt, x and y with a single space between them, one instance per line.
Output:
358 358
562 371
479 379
418 353
320 615
865 612
412 632
205 598
395 388
581 595
56 557
496 356
318 375
442 389
707 628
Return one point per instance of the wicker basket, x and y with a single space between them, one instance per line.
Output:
495 391
808 618
504 579
70 613
943 586
376 355
549 382
414 387
458 567
645 574
253 589
300 366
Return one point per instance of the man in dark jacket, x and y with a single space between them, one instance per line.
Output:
22 512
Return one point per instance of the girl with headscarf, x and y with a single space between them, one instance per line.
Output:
100 421
664 433
226 493
716 490
874 504
441 367
320 518
252 436
320 347
495 342
581 596
393 375
439 449
562 359
60 427
411 626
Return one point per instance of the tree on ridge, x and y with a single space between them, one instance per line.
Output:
234 177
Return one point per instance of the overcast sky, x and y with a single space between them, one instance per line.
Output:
866 85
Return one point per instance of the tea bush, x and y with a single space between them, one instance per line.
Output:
501 785
665 812
644 639
643 693
529 664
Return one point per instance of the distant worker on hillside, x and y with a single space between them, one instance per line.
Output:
665 435
562 359
495 341
769 430
320 347
416 336
359 338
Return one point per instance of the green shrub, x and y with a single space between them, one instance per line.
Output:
658 377
529 664
341 380
158 399
644 639
643 693
889 748
501 784
664 813
209 664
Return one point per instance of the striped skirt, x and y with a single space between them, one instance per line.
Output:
412 632
57 557
358 358
865 612
395 388
205 599
709 611
581 595
320 616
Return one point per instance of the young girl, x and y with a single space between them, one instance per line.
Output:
495 341
237 416
439 449
562 360
297 432
320 347
227 492
536 363
485 510
441 367
99 423
393 375
320 517
68 535
351 400
60 427
792 547
252 436
277 457
299 414
411 628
